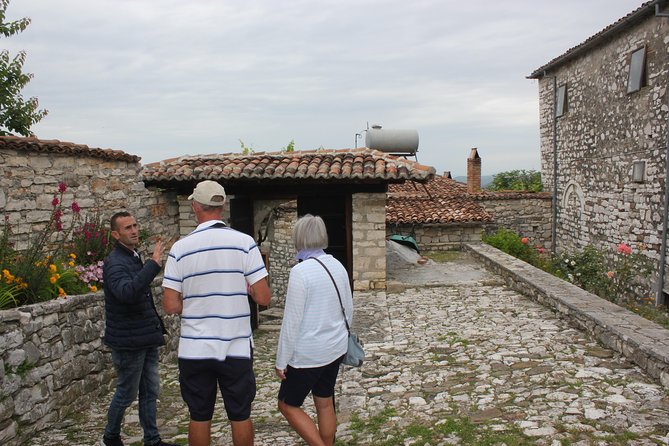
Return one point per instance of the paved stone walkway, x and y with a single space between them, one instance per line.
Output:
459 360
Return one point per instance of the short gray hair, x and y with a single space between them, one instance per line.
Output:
310 233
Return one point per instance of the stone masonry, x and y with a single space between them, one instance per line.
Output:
604 131
369 241
53 361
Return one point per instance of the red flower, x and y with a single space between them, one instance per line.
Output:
524 240
62 187
55 202
624 249
75 207
59 226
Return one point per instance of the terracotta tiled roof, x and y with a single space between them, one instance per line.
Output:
332 165
23 144
442 200
645 10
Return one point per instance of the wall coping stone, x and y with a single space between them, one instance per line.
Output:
643 342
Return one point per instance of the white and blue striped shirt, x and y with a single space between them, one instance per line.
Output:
313 333
211 268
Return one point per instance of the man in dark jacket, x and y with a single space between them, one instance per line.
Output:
134 330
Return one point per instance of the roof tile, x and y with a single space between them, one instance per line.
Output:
343 165
443 200
24 144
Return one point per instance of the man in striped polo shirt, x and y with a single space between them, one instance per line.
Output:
205 281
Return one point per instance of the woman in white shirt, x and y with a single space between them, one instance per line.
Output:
313 338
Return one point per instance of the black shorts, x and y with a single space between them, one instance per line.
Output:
235 378
320 381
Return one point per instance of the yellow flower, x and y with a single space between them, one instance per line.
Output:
53 279
71 263
53 268
73 255
94 288
61 292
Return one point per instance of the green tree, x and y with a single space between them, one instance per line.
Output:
526 180
17 115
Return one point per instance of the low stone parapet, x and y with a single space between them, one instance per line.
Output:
53 361
641 341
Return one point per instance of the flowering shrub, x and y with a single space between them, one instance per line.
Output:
91 275
48 267
91 242
511 243
617 277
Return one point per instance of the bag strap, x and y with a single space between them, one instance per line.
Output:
337 289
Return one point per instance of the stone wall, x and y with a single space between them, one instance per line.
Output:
438 237
29 181
369 241
639 340
281 250
604 131
52 359
527 215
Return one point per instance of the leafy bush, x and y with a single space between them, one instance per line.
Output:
617 277
517 246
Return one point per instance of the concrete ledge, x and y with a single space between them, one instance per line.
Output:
641 341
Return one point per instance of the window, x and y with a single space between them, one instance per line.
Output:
561 105
637 75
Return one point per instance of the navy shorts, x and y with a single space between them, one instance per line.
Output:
234 377
320 381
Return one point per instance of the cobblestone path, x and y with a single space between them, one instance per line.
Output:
463 361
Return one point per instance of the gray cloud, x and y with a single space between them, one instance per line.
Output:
166 78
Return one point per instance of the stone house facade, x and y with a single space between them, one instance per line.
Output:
603 125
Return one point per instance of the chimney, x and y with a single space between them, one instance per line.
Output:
473 172
447 174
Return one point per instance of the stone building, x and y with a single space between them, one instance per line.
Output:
268 191
603 124
443 213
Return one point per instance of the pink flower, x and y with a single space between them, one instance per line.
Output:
75 207
62 187
55 201
610 274
624 249
59 226
541 250
524 240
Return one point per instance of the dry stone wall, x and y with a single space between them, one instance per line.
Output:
53 361
529 217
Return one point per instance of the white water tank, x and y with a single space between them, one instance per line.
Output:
402 142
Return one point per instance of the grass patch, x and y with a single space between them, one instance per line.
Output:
382 430
442 256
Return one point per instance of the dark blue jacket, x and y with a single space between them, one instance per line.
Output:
132 320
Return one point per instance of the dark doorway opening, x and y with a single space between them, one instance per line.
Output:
335 210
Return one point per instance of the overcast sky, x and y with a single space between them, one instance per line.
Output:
165 78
